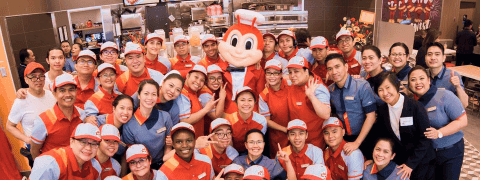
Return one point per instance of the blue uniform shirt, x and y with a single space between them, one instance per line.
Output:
402 75
69 64
273 166
387 173
442 80
151 132
443 107
356 98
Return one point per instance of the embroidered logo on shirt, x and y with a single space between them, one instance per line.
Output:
299 103
354 65
305 165
341 167
107 169
161 130
188 65
202 175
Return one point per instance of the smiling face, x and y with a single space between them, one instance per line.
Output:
83 152
184 144
182 48
215 81
345 44
153 46
223 135
382 153
195 80
298 76
33 82
107 78
85 65
66 95
148 96
56 60
135 62
333 136
434 57
123 111
245 102
171 89
297 138
418 82
269 44
76 50
109 55
141 168
398 58
370 61
210 48
285 43
255 144
273 77
337 70
388 93
108 147
242 45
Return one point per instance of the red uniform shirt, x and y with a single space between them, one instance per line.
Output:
195 106
55 129
254 78
283 55
354 66
309 155
109 168
84 94
103 101
128 84
219 161
68 165
183 65
240 127
8 168
130 176
219 61
109 119
156 65
199 167
321 71
264 60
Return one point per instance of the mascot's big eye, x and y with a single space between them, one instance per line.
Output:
248 44
234 40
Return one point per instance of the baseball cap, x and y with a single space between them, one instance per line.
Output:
108 44
86 130
62 80
317 172
319 42
136 151
343 32
271 35
199 68
234 168
298 62
274 64
217 123
109 132
133 48
182 125
288 33
296 124
104 66
256 172
31 67
244 89
112 178
180 38
169 73
214 68
153 36
332 122
208 37
87 53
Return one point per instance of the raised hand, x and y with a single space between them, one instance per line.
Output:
455 80
312 86
223 93
282 155
219 175
204 141
211 104
405 171
168 141
91 120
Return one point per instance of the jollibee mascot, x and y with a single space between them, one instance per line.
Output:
242 48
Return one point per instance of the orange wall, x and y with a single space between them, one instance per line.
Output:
7 96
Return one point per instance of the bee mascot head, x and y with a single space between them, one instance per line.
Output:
242 44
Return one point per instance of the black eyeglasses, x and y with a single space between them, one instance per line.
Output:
36 78
84 142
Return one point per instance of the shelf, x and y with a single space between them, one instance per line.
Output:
88 29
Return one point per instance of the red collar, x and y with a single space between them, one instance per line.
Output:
138 116
143 76
215 153
151 176
374 169
301 153
60 116
73 161
74 58
248 121
118 71
349 58
106 93
109 119
269 57
151 62
339 149
90 85
184 163
186 59
213 61
189 91
294 53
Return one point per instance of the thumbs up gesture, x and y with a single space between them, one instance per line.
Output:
455 80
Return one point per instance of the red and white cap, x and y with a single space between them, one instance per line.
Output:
271 35
104 66
133 48
182 125
199 68
256 172
218 122
109 132
137 151
249 17
166 75
180 38
112 178
317 172
332 122
63 80
297 62
234 168
214 69
87 53
296 124
86 130
288 33
208 37
108 44
343 32
31 67
319 42
153 36
244 89
274 64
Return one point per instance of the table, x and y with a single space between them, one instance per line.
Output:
469 71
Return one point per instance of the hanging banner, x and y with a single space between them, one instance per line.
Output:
421 14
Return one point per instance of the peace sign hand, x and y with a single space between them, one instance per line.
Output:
204 141
219 176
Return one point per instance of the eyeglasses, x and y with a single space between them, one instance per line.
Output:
213 79
109 53
181 44
397 55
108 75
82 62
222 135
84 142
345 41
272 74
36 78
135 163
255 142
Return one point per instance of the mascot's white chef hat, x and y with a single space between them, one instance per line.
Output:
249 17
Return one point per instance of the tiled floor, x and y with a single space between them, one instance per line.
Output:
471 160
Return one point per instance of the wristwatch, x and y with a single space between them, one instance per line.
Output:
440 135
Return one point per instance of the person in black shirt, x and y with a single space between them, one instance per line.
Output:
465 41
26 56
417 42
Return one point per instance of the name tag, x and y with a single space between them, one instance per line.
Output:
299 103
441 88
161 130
223 166
304 165
107 169
433 108
188 65
354 65
341 167
349 98
202 175
406 121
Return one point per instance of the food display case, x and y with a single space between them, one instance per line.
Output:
281 20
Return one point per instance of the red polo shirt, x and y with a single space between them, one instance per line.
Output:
8 168
182 65
198 168
283 55
108 168
219 61
84 94
353 66
219 161
321 71
128 84
240 128
156 65
103 101
195 106
68 165
309 155
264 60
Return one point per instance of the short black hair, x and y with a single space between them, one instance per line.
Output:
79 45
254 97
401 44
121 97
374 49
65 41
53 48
23 54
417 67
334 56
302 35
388 76
436 44
467 23
389 140
254 131
182 130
